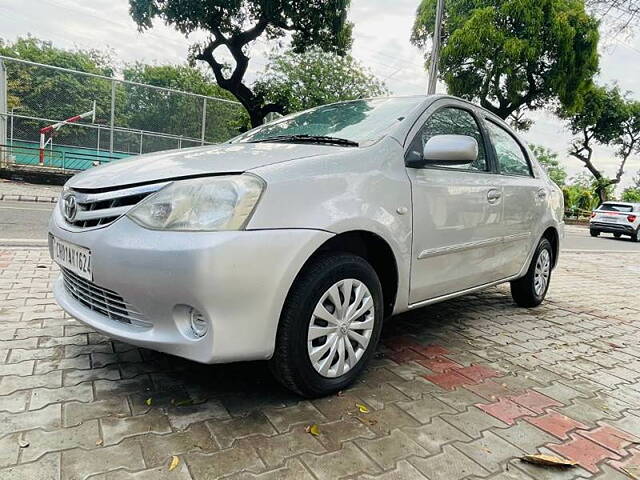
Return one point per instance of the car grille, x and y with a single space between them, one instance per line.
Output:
98 209
103 301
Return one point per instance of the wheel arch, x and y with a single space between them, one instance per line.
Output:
375 250
553 236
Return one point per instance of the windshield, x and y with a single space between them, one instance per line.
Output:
360 121
612 207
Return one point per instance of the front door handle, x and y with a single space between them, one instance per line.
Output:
494 195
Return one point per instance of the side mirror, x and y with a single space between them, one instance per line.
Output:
447 150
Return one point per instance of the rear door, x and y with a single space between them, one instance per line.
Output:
457 210
524 196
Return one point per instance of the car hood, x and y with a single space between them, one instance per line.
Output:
208 160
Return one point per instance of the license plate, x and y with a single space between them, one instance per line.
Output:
72 257
611 218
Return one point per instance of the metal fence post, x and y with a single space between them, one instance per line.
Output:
11 130
113 114
204 120
98 143
3 111
141 135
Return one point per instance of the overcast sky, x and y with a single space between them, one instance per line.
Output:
381 43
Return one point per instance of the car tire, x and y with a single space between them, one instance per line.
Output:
617 235
636 237
314 292
594 233
530 290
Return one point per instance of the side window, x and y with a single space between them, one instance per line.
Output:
451 121
511 158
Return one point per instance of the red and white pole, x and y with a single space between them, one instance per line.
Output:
52 128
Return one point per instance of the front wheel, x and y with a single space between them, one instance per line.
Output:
530 290
594 233
329 326
617 235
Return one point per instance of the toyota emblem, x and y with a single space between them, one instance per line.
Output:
70 208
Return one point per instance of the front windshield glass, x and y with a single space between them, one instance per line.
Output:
361 121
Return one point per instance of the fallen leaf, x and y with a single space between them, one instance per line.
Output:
633 471
313 430
341 393
99 442
362 408
183 403
548 460
148 401
23 443
174 463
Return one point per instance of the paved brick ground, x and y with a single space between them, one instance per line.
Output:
459 390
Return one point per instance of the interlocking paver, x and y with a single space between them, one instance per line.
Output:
451 464
386 451
40 442
81 463
348 461
117 412
115 429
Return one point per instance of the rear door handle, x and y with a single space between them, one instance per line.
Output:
494 195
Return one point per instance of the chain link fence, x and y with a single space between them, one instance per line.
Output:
130 118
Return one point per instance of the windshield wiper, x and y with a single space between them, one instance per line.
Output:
308 139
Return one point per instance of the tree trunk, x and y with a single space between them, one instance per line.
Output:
601 191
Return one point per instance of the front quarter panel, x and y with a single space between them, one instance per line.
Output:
357 189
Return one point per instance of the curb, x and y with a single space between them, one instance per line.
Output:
566 250
23 242
28 198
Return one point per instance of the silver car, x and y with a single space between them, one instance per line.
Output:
294 241
619 218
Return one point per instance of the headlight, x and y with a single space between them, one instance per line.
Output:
201 204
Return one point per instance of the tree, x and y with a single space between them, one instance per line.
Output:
298 81
235 25
632 193
45 93
513 55
163 111
621 13
549 160
606 118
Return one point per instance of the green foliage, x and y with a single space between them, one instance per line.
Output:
549 160
514 54
162 111
606 117
300 81
236 24
631 194
39 92
55 95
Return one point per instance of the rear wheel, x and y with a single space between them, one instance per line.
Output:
617 235
530 290
636 237
594 233
329 327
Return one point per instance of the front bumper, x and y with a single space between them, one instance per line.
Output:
613 228
238 280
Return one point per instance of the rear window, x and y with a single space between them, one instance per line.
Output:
614 207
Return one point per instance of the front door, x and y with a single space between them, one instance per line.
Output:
457 213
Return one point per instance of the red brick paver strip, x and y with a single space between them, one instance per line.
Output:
556 424
582 450
459 391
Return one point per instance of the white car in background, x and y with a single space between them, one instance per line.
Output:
294 241
619 218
